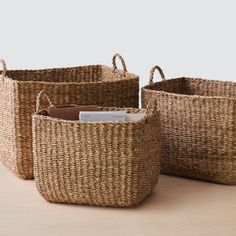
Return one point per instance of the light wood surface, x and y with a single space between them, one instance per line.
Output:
178 206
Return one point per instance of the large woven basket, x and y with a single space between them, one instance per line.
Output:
198 120
94 84
96 163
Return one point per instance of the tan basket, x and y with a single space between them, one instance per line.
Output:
95 84
198 120
96 163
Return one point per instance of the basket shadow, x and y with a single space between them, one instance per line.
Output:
175 192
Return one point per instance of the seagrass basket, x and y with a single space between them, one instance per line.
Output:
93 84
96 163
198 120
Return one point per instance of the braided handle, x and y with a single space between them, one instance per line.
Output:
152 74
122 62
39 98
4 70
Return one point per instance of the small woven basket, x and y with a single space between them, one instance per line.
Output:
93 84
198 120
96 163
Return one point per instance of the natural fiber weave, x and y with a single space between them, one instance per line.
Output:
96 163
198 120
94 84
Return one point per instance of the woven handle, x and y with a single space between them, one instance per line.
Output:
41 95
4 70
152 74
122 62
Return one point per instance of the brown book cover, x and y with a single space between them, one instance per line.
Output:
70 112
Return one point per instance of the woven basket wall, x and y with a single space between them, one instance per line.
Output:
96 163
198 120
95 84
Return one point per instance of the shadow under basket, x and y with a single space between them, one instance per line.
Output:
96 163
198 123
85 85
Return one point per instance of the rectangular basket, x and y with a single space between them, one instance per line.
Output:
96 163
198 120
93 84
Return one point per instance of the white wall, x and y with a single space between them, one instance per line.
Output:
194 38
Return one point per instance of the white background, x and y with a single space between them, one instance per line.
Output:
184 37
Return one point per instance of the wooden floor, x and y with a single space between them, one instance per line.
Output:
178 206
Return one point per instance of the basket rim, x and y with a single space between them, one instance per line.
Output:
147 88
142 110
131 76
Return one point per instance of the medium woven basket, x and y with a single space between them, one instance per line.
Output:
96 163
93 84
198 120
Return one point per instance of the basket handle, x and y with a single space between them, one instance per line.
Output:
39 98
152 74
122 62
4 66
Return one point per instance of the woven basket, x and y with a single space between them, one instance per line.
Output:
95 84
96 163
198 120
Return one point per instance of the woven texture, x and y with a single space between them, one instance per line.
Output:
198 127
96 163
95 84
